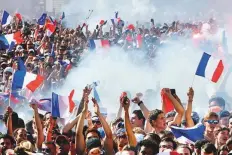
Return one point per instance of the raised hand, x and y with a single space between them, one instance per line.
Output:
87 91
126 103
190 94
136 100
167 91
33 104
86 102
96 106
9 110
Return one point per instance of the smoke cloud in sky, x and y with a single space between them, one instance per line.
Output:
174 66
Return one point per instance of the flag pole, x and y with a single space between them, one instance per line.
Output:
87 18
193 80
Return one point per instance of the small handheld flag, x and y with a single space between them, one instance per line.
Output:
210 68
6 18
42 19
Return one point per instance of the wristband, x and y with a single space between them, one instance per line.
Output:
140 103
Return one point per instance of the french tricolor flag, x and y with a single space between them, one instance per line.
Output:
6 18
23 79
188 135
32 81
94 44
10 40
50 28
62 106
210 67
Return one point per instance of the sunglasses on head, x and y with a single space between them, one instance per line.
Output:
96 122
212 121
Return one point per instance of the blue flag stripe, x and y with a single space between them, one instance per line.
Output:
92 45
4 17
202 65
55 105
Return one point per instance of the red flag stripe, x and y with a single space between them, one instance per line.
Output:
218 72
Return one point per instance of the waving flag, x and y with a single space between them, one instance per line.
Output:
23 79
32 81
18 77
9 40
62 16
45 104
50 28
62 106
19 16
210 68
167 102
189 134
95 44
42 19
14 98
6 19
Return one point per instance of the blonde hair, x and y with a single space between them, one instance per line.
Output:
210 115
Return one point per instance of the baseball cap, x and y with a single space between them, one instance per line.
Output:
224 113
121 132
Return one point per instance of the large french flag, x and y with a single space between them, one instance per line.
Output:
210 67
95 44
189 135
62 106
23 79
6 18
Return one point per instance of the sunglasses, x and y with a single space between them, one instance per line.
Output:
212 121
96 122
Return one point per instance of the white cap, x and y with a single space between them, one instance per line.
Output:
8 69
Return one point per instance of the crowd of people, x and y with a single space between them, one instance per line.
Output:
142 132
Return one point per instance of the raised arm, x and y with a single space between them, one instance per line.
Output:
188 118
71 124
9 121
108 141
79 139
86 93
143 108
39 128
178 107
131 137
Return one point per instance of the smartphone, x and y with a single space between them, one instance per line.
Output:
173 91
